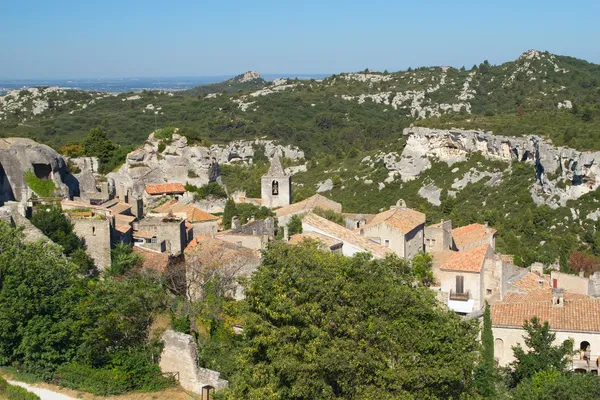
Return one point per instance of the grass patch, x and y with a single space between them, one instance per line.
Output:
42 187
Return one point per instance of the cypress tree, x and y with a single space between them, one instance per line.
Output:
487 339
485 374
229 212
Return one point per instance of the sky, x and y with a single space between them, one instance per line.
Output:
47 39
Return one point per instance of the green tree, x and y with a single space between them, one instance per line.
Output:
54 224
554 385
294 225
229 212
122 259
422 266
324 326
588 115
97 144
543 354
485 374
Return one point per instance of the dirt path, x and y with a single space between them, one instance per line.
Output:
44 394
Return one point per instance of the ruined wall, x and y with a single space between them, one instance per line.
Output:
180 355
571 283
96 236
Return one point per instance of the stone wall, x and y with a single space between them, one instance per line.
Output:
438 237
172 232
96 235
180 356
571 283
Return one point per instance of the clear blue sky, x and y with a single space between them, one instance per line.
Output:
130 38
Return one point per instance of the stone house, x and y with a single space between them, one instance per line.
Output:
284 214
570 316
466 237
399 229
461 277
260 227
165 189
201 222
438 237
352 242
276 186
206 257
161 234
357 221
96 232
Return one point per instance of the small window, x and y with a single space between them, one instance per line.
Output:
387 243
275 188
153 240
93 231
460 284
489 292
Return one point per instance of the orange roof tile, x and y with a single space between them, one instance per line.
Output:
470 260
143 234
308 205
119 208
465 235
206 248
576 314
403 219
123 228
165 188
530 281
125 219
152 260
544 294
339 232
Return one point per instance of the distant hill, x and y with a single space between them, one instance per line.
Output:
247 81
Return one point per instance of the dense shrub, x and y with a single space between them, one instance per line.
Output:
42 187
13 392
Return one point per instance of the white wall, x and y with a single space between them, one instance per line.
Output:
348 249
472 282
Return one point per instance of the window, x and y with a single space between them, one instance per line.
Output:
499 347
387 243
489 292
555 283
275 188
460 284
153 240
93 231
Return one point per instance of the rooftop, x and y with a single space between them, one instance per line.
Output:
339 232
529 281
470 260
143 234
466 235
403 219
577 313
193 213
208 249
309 204
165 188
326 240
276 169
119 208
152 260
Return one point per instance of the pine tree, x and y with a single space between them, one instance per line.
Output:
229 212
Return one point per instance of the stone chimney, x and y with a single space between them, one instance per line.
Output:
286 234
558 297
236 226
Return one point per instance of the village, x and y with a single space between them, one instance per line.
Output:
165 226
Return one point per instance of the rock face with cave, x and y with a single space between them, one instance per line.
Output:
19 155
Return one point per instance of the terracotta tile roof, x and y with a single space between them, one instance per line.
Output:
152 260
465 235
165 188
188 225
470 260
402 219
124 219
576 314
530 281
119 208
440 257
539 295
339 232
123 228
206 248
308 205
144 234
192 213
326 240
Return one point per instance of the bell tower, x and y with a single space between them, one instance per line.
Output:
276 186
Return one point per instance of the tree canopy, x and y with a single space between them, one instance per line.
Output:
321 325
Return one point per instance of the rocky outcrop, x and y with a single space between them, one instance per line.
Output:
562 173
19 155
180 162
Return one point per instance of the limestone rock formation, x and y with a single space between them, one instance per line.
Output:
19 155
562 173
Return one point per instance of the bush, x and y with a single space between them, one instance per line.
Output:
42 187
12 392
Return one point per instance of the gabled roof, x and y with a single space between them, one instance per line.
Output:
206 248
193 213
339 232
119 208
402 219
325 240
529 281
123 228
309 204
466 235
276 169
153 260
165 188
470 260
575 314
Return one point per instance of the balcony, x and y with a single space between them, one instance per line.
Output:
585 363
462 296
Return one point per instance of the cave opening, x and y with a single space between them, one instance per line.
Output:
42 171
6 192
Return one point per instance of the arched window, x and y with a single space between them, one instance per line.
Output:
585 350
499 347
275 188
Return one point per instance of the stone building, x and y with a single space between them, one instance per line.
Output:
95 230
357 221
570 316
352 242
399 229
438 237
201 222
276 186
326 243
161 234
